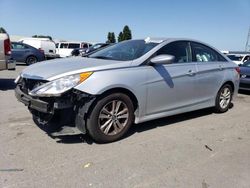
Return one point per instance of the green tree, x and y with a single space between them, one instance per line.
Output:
120 37
111 37
127 35
2 30
113 40
108 37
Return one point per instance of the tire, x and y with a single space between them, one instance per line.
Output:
110 118
31 60
225 94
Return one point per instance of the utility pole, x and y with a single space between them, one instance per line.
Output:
247 48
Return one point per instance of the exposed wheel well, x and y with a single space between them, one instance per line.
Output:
125 91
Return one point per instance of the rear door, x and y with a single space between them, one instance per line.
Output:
49 47
172 86
210 71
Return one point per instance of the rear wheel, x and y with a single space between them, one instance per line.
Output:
31 60
110 118
224 98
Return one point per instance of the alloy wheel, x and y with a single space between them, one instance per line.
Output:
225 98
113 117
31 60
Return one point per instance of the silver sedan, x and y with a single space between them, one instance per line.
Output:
130 82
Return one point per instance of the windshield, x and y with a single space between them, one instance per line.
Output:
246 64
235 57
124 51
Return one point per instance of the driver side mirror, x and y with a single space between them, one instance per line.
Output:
162 59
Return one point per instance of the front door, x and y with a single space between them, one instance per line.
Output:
172 86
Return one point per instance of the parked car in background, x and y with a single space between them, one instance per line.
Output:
239 58
96 47
245 76
84 51
42 44
78 51
25 53
5 51
64 49
129 82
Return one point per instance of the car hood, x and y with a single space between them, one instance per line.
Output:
245 70
53 69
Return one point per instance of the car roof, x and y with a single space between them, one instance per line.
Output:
37 39
163 39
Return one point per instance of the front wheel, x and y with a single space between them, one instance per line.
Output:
110 118
224 98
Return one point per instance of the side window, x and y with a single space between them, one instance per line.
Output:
13 46
202 53
64 45
73 45
180 50
18 46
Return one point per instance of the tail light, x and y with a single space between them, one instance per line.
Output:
7 48
41 50
237 70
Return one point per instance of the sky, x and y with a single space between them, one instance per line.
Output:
223 24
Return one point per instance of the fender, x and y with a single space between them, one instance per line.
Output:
128 78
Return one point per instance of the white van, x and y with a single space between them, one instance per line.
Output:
44 44
238 57
64 49
5 51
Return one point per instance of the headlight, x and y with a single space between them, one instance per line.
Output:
59 86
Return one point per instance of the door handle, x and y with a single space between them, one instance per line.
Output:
221 67
190 73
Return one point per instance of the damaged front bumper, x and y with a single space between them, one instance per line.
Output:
43 106
76 102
